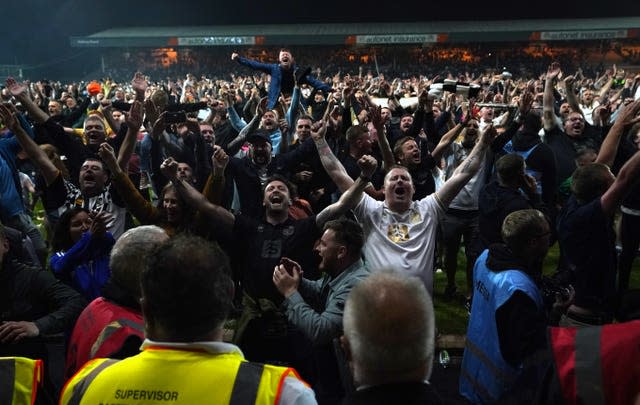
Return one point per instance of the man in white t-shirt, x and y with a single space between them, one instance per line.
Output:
401 233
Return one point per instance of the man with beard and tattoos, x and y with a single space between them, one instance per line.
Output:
401 233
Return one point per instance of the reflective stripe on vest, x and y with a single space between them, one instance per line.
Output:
588 367
7 378
19 380
245 388
112 328
81 387
490 366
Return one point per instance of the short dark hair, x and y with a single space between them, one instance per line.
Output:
590 181
277 177
96 158
187 288
348 233
509 168
305 117
355 132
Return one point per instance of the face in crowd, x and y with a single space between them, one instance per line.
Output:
574 125
171 205
94 131
207 133
269 121
276 196
398 189
286 59
93 177
260 152
329 251
303 128
185 172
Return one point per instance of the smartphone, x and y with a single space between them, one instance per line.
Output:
288 265
175 117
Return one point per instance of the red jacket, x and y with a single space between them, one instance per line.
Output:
598 364
101 331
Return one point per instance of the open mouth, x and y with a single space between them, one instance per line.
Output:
276 199
400 191
94 137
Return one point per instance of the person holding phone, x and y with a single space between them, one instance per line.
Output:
316 307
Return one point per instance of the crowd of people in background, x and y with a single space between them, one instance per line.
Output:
266 226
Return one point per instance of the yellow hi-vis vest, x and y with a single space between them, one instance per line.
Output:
20 378
174 377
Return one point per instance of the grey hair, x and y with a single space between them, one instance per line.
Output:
130 253
390 324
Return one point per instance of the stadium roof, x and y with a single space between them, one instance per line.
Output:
366 33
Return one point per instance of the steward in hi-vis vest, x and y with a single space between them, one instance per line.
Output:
19 380
203 373
186 295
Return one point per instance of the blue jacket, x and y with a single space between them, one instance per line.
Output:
86 265
485 375
274 70
11 203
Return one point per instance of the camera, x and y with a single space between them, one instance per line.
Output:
550 287
175 117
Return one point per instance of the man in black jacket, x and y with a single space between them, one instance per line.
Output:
503 196
34 306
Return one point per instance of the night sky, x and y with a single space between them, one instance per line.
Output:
36 32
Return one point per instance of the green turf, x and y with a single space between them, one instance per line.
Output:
452 317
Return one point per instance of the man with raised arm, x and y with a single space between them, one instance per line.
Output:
258 245
401 233
94 192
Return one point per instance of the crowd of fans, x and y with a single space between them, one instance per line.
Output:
184 211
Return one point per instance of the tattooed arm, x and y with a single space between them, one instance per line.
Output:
467 169
330 162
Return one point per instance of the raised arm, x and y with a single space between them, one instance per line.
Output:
134 122
572 99
21 92
467 169
8 115
330 162
628 177
548 100
383 141
628 116
195 199
352 196
446 140
246 130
